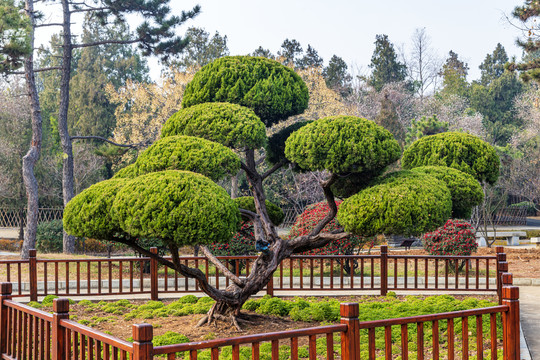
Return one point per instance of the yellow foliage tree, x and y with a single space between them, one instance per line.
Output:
143 108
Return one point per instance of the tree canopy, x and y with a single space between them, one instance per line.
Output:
273 91
342 144
386 68
232 125
456 150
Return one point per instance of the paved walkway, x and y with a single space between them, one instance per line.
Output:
529 299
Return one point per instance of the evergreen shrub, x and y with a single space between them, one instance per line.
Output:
49 237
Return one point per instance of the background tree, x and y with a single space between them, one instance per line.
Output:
385 65
199 212
388 118
492 67
528 14
310 59
454 75
290 51
423 64
260 51
201 49
496 103
15 42
336 76
15 133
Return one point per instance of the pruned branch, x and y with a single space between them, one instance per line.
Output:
330 199
222 268
274 168
306 243
132 146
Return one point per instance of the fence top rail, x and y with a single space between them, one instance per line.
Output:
97 335
433 317
29 310
443 257
167 349
13 262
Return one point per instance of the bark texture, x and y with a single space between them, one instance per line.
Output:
33 154
67 148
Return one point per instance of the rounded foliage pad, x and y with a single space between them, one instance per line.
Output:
465 190
343 144
456 150
89 213
177 206
231 125
274 212
189 153
128 172
273 91
403 203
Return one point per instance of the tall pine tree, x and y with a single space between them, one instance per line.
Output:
385 65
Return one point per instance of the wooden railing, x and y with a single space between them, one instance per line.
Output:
381 272
27 333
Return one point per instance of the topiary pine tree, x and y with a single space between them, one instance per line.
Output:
170 193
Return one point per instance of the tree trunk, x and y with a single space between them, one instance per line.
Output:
33 154
67 156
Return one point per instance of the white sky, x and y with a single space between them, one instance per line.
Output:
347 28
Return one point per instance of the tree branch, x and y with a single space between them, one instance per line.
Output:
219 265
330 199
90 9
132 146
305 243
274 168
37 70
50 24
182 269
105 42
244 167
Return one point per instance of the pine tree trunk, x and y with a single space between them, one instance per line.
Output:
33 154
67 156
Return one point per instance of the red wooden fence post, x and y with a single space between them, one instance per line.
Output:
5 289
59 338
142 341
384 270
153 275
350 340
501 258
270 286
32 262
511 337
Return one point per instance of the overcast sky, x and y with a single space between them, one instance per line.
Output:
347 28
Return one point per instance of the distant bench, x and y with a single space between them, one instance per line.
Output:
512 237
407 243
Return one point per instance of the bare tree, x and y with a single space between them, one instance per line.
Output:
423 64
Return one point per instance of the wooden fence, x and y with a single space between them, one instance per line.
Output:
11 217
27 333
381 272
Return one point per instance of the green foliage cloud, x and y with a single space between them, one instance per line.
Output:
456 150
273 91
401 203
343 144
185 153
231 125
465 190
181 207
